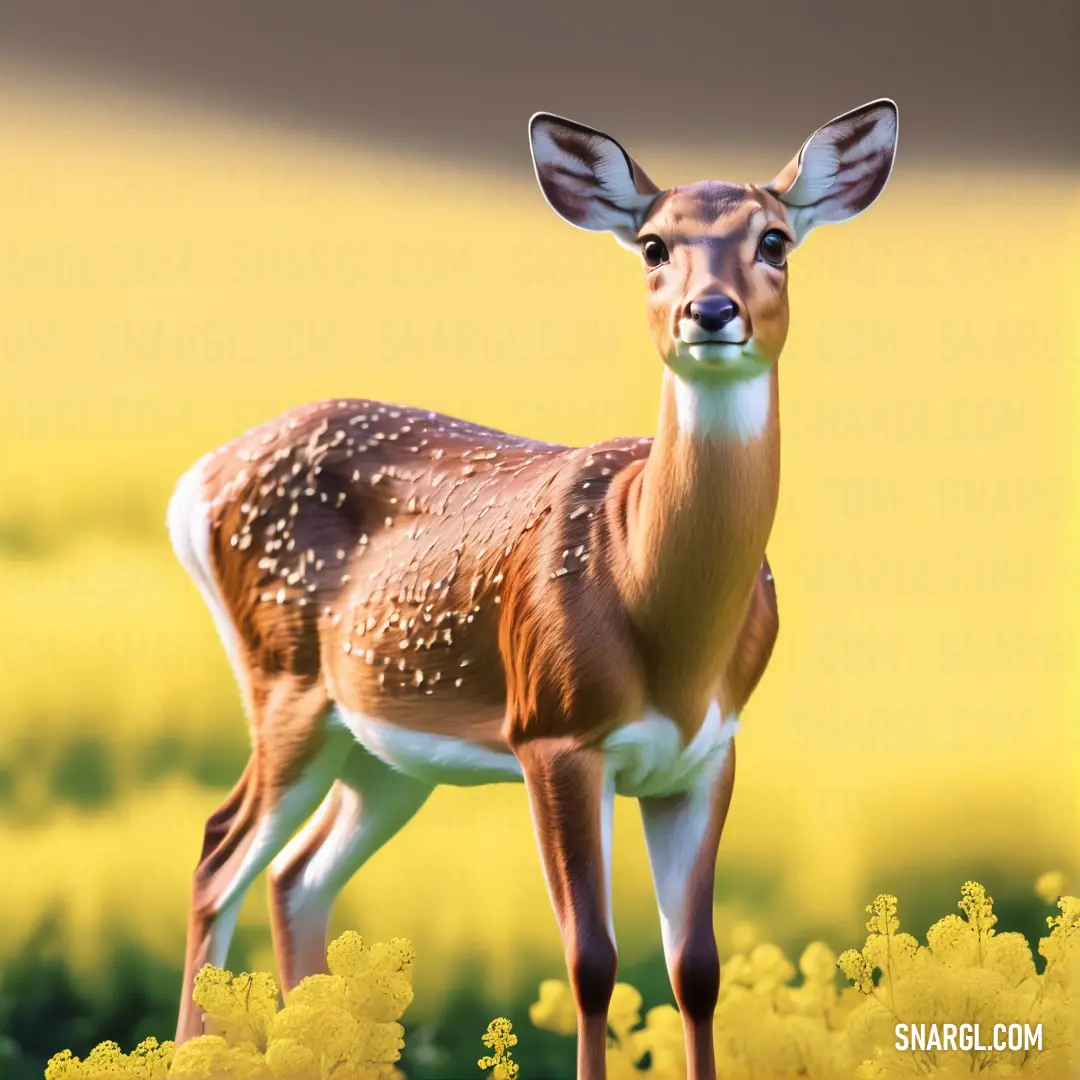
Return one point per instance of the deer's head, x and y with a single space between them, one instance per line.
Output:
715 254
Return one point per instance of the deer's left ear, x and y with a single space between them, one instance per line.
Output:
841 169
588 179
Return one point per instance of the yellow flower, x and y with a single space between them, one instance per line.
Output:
1049 886
61 1066
210 1057
818 963
967 973
500 1037
771 968
662 1038
555 1010
624 1012
342 1025
883 917
978 908
347 956
1063 943
736 971
150 1060
858 969
289 1059
744 936
237 1007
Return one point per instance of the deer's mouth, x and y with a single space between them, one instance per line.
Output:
714 358
713 350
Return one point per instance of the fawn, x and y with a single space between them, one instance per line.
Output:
409 600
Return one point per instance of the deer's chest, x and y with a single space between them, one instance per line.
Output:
652 757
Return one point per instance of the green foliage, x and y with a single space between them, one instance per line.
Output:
45 1001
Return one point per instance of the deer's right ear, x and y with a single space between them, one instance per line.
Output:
588 178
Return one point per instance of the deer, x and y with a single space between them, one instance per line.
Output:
408 599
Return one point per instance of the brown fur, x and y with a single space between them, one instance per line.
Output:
524 597
343 529
569 565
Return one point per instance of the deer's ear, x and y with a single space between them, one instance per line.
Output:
842 168
588 178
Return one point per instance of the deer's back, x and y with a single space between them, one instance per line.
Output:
372 547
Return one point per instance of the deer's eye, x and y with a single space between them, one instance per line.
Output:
773 247
653 251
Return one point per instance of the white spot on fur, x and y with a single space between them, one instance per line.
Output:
738 407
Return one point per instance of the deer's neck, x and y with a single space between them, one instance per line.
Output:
698 516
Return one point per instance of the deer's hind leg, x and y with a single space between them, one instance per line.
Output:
296 759
368 804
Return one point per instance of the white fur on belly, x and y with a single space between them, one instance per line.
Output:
645 758
438 759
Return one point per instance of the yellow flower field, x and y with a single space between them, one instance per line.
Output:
1008 1017
168 280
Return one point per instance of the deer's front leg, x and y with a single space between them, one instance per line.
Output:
682 833
571 800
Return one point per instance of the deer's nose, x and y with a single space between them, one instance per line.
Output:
713 313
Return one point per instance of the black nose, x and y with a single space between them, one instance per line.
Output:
713 313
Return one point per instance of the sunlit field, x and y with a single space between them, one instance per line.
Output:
167 281
772 1019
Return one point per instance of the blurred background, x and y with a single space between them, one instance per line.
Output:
212 213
